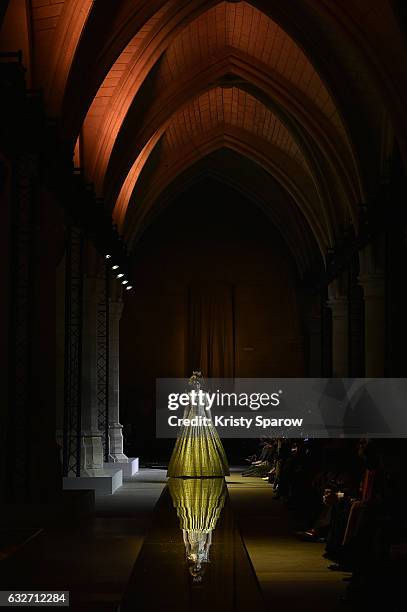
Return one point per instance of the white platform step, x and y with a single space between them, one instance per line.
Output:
104 483
129 469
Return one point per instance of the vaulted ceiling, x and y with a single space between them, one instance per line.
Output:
294 103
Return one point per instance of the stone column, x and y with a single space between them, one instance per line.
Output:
356 323
374 294
372 280
92 445
312 318
339 305
115 428
314 346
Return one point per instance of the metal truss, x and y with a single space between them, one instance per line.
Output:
73 352
102 358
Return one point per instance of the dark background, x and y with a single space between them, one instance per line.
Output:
232 242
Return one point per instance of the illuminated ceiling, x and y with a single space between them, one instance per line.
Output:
284 101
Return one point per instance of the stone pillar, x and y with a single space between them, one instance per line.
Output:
92 445
312 318
115 428
356 323
372 280
339 305
314 346
374 295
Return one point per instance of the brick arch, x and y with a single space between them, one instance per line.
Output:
303 119
244 22
269 158
361 43
55 31
323 169
67 35
222 108
231 106
56 28
245 28
259 187
356 48
314 27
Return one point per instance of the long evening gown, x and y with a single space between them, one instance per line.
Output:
198 451
199 503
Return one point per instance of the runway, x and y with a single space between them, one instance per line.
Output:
131 554
161 579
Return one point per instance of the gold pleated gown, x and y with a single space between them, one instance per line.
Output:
198 501
198 451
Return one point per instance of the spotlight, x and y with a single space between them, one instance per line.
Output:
129 287
115 267
107 256
120 275
124 282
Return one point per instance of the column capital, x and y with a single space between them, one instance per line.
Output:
338 306
338 297
373 284
372 257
